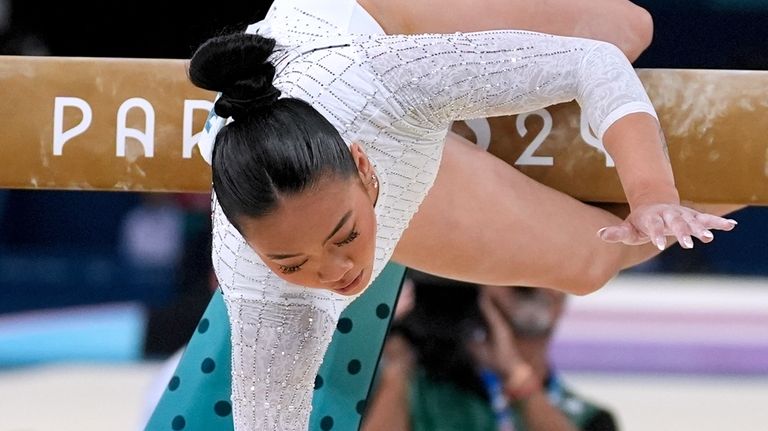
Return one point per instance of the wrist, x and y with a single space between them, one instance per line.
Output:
653 195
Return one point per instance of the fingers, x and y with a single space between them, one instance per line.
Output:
677 224
688 222
653 226
657 222
624 233
710 221
697 229
494 318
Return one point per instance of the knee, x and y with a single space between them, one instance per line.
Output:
585 283
594 273
640 32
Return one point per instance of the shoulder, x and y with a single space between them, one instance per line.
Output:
301 21
330 75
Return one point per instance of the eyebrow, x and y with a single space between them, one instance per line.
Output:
339 225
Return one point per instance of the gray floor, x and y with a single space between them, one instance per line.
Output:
97 398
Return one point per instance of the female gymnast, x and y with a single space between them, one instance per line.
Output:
340 134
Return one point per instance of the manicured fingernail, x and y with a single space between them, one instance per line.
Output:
707 234
600 232
688 242
661 243
732 221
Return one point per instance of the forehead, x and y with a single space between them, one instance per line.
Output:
306 217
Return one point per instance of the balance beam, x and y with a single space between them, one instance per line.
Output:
132 124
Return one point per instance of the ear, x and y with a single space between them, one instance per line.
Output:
364 166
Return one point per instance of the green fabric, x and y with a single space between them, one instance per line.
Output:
437 405
442 406
198 395
578 410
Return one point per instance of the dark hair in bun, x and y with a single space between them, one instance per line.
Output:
236 65
275 146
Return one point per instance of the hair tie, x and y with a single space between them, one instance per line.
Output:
239 108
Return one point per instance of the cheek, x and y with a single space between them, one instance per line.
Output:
305 277
370 237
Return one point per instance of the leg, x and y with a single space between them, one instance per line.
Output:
620 22
484 221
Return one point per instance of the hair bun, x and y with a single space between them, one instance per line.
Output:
236 65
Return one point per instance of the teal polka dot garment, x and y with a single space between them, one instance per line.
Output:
197 397
351 361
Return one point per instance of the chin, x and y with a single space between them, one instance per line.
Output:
348 293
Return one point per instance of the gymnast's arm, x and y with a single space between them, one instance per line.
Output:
280 333
441 78
620 22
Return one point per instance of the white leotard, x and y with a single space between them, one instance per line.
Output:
396 96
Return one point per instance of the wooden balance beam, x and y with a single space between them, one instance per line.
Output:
132 124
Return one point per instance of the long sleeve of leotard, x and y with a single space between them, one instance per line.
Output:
436 79
279 334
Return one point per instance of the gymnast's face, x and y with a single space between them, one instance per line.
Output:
321 238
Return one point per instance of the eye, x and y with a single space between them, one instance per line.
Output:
349 239
291 269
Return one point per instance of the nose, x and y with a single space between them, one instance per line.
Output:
334 268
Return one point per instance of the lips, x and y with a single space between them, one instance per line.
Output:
351 285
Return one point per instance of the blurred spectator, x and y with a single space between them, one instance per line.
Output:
151 234
463 360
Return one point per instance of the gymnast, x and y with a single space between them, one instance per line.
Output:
338 157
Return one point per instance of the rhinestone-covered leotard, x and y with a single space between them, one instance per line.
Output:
396 96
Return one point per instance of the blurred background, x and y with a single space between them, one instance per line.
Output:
97 290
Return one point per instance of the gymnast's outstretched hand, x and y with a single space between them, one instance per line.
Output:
654 222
